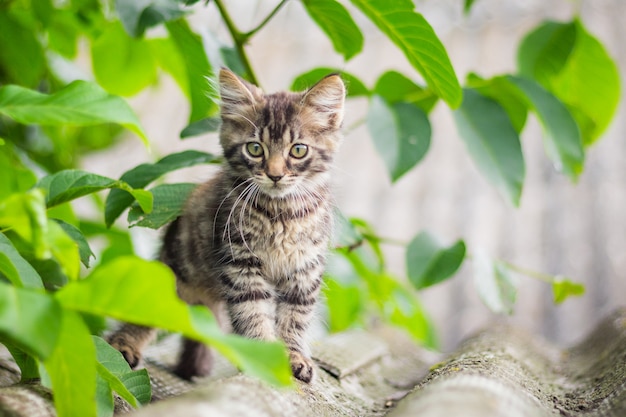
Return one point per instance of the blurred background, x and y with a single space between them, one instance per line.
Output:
576 230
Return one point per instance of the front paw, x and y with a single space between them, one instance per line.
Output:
301 366
128 351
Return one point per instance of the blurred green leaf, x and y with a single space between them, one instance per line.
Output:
25 214
395 87
203 93
21 55
138 15
77 236
354 86
202 126
15 268
64 249
408 313
70 184
22 312
169 200
16 177
429 263
494 284
72 368
123 289
562 137
492 142
167 55
467 6
79 103
336 22
118 200
29 368
345 304
410 32
401 133
122 65
562 288
63 32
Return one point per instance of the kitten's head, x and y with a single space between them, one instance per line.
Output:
281 141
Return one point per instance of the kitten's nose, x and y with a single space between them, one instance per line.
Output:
275 178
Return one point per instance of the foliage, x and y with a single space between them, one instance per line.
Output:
49 116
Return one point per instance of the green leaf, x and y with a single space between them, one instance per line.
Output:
133 386
25 214
166 54
202 92
507 95
338 25
410 32
407 312
562 288
21 54
138 15
63 32
467 6
542 54
16 177
429 263
354 86
142 175
22 312
122 65
395 87
345 304
83 246
125 288
64 249
15 268
70 184
401 133
72 369
169 200
589 85
492 142
29 368
494 284
80 103
562 137
201 127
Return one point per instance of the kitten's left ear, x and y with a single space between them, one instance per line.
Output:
326 100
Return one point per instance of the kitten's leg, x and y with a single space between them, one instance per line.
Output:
296 303
195 359
130 339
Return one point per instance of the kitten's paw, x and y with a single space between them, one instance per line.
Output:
301 366
128 351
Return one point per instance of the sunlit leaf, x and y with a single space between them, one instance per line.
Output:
395 87
83 246
410 32
25 214
21 54
354 86
492 142
168 202
336 22
16 177
15 267
80 103
428 262
563 288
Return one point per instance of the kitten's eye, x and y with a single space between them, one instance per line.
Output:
254 149
299 151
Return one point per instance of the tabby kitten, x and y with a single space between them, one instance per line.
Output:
251 242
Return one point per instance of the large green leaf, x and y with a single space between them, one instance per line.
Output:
394 87
80 103
354 86
492 142
15 268
338 25
169 200
138 15
203 93
72 368
21 55
30 319
562 137
410 32
494 284
401 133
122 65
428 262
70 184
142 175
126 288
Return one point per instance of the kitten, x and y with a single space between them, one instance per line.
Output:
251 242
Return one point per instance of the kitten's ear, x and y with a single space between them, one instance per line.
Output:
237 94
326 100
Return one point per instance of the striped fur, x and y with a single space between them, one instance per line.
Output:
251 242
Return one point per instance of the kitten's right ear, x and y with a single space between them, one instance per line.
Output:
236 93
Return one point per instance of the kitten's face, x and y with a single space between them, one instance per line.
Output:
281 142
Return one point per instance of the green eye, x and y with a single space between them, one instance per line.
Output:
254 149
299 150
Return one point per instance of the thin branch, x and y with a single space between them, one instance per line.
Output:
269 17
239 39
541 276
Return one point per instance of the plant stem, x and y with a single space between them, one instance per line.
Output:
530 273
239 39
269 17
